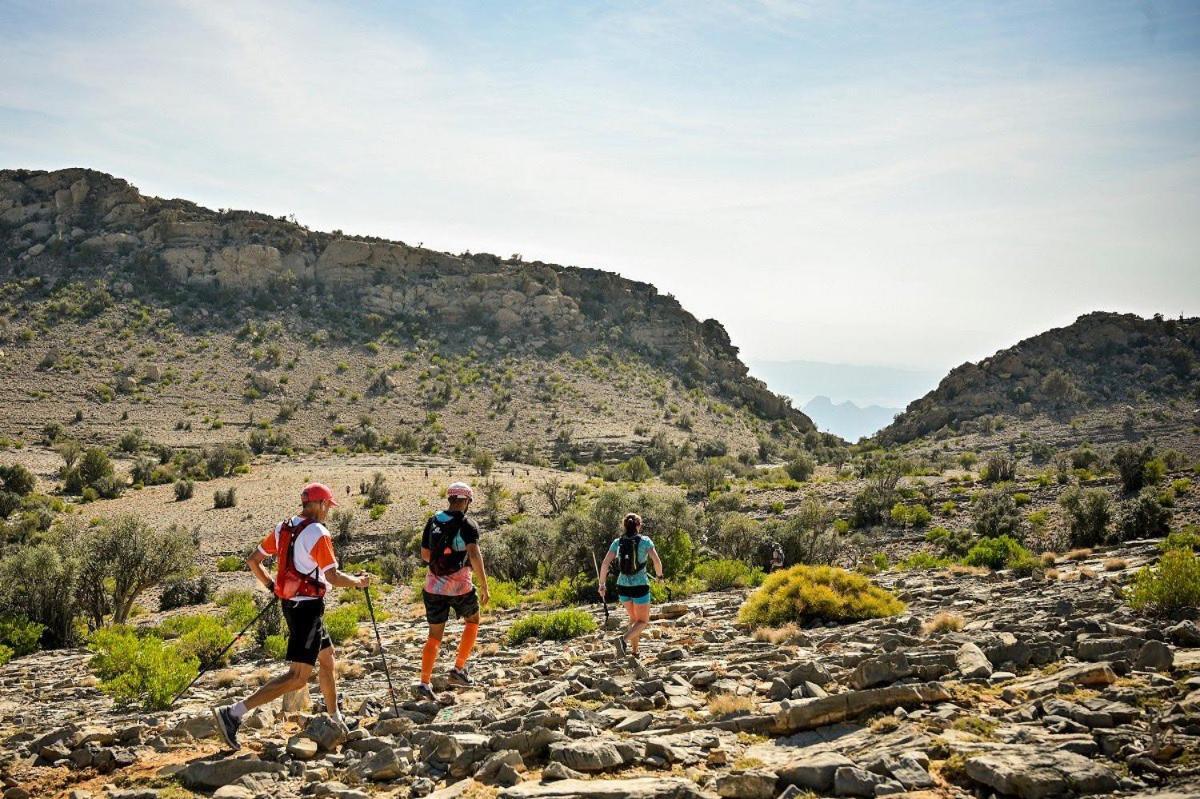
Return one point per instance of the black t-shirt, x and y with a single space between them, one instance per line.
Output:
468 530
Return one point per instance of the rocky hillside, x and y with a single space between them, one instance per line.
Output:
1000 686
75 224
1102 360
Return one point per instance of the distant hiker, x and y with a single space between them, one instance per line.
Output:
631 551
776 559
450 545
306 569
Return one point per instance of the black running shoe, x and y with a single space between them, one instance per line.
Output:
460 677
227 725
423 691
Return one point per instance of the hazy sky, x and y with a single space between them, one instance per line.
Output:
901 183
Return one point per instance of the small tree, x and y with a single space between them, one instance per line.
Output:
121 559
377 491
558 493
69 450
995 515
494 495
998 468
343 525
483 461
800 467
1088 515
1144 516
1131 464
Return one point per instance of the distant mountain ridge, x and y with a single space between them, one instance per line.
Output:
80 224
888 386
1101 359
846 419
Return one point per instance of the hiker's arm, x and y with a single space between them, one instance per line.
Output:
476 558
342 580
255 562
603 576
657 563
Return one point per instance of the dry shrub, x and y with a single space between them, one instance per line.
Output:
943 622
973 571
1051 574
261 676
490 649
225 678
1079 554
778 635
885 724
528 658
1115 564
348 670
722 705
1086 574
1049 559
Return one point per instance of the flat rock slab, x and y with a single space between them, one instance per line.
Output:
637 788
814 713
1031 773
219 773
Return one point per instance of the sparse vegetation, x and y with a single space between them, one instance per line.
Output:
1171 585
558 625
816 593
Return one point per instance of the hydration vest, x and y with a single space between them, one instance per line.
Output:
289 581
627 555
444 560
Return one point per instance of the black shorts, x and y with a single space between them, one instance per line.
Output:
306 630
437 606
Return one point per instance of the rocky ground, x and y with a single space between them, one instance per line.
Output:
1050 688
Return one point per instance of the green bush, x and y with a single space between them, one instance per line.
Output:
139 669
1088 515
923 561
182 592
16 479
871 505
6 654
240 607
1135 468
800 467
998 468
664 590
275 647
1144 516
205 640
226 498
998 553
342 623
558 625
1187 538
910 515
721 575
22 636
229 563
503 594
816 593
995 514
93 470
38 583
184 490
1170 586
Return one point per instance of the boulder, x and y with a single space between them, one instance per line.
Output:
814 772
302 747
1155 656
752 784
380 766
327 731
636 788
971 662
1038 773
218 773
851 781
881 670
812 713
588 756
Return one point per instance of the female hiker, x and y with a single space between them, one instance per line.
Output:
631 551
307 568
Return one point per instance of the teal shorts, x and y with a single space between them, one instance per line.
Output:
644 599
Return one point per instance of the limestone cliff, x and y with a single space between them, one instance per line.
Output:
80 223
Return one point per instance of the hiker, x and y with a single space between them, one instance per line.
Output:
776 559
306 569
450 545
631 551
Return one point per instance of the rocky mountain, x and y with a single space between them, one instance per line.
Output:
1102 360
847 420
75 243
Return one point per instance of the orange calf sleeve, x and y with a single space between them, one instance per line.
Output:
428 657
470 632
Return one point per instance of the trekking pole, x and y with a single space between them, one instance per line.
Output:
603 598
382 656
221 654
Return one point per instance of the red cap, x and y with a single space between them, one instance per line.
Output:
315 492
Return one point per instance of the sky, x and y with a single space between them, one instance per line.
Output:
907 184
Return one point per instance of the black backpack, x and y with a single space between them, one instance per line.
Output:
443 560
627 555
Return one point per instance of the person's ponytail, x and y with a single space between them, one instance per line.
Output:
632 524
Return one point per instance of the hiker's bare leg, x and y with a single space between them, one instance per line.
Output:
640 614
295 678
328 679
